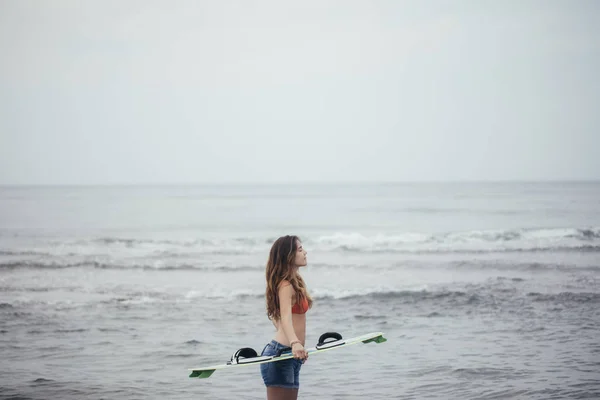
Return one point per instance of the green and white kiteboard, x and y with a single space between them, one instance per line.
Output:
248 356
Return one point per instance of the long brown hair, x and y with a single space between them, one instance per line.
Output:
279 268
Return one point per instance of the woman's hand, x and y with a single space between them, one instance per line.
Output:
299 352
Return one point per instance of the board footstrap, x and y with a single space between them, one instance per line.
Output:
324 344
246 355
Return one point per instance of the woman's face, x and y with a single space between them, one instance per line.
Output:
300 259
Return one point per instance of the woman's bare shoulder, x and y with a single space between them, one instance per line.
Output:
285 285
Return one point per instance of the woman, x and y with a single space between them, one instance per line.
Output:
287 304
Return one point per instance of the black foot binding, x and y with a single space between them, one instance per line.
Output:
323 344
247 354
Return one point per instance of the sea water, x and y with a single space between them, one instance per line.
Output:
483 290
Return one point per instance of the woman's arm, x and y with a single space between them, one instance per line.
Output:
286 292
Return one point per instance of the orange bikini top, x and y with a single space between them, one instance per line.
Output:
299 308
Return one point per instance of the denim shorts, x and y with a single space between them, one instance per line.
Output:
285 373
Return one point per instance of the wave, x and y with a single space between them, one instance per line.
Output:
482 295
198 243
107 265
519 266
168 266
479 296
131 242
476 241
80 330
518 240
23 253
328 294
583 248
564 297
39 289
389 295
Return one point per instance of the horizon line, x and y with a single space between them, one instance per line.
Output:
281 183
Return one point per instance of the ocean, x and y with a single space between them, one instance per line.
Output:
483 290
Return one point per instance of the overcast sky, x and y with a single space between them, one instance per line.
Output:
279 91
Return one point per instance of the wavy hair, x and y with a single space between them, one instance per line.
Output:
280 267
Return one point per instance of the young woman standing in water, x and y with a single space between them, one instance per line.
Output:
287 304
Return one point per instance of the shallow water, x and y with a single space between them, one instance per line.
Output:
483 291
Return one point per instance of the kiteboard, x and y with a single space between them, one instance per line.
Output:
248 356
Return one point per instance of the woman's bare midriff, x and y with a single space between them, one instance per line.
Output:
299 323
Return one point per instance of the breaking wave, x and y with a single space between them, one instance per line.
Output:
205 254
259 268
521 240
